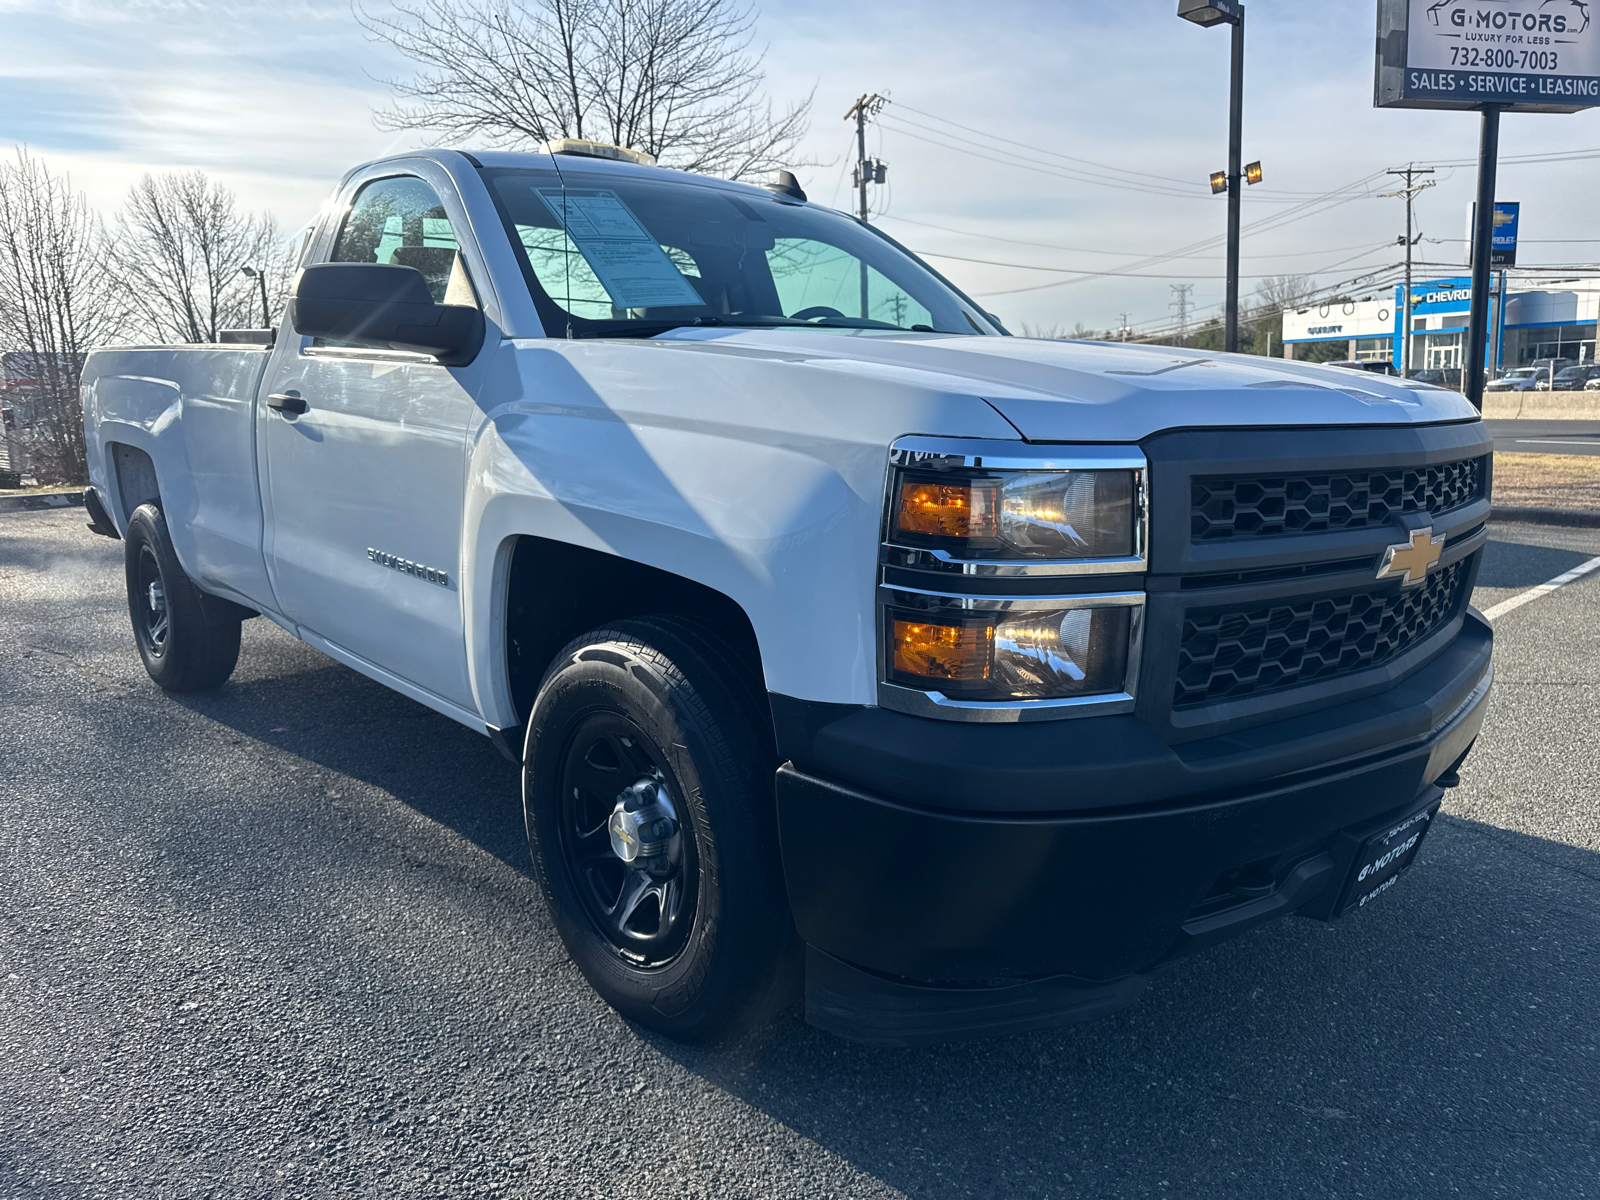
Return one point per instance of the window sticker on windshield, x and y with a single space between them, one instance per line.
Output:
631 265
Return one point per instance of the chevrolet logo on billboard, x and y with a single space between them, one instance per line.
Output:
1413 559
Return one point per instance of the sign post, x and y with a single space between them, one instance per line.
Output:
1491 56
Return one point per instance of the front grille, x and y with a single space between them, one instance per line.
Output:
1271 505
1226 655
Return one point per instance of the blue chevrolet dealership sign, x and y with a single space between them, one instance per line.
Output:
1441 295
1503 237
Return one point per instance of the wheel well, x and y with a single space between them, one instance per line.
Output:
135 477
556 591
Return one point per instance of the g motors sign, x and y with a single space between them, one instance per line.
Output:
1529 55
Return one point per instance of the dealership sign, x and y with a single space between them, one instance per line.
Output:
1528 55
1441 295
1502 232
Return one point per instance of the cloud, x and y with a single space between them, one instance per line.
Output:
276 98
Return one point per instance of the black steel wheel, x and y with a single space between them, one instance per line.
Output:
633 858
647 787
152 616
185 647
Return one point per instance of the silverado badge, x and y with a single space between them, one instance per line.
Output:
1412 559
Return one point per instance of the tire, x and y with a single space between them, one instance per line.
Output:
184 648
692 937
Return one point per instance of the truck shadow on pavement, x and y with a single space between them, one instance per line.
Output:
1523 564
287 695
1443 1043
1443 1040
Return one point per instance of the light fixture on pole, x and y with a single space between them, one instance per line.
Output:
260 277
1217 12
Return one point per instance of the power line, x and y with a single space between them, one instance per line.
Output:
1306 210
1368 249
996 154
1116 253
1196 188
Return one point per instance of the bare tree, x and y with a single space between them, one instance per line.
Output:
680 79
180 246
1277 293
56 301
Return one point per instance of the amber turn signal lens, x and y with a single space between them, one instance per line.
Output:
958 653
960 510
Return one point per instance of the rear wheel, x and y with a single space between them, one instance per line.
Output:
184 648
648 794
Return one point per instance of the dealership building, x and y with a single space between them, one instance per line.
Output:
1558 322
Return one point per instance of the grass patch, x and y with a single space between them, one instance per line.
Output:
1547 481
41 489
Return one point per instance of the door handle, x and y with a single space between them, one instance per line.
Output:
288 403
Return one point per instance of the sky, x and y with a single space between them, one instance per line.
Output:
276 101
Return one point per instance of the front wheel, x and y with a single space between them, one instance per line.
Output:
184 648
647 789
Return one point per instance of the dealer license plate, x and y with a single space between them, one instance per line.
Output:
1384 855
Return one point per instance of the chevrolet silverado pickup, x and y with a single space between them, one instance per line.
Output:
850 647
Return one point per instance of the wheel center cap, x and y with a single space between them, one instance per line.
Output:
643 823
158 598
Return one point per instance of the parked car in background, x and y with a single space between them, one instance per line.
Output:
1593 384
1445 377
1375 366
1520 380
1568 379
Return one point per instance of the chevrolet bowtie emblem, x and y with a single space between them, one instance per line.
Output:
1412 559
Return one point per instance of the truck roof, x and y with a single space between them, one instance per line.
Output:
456 160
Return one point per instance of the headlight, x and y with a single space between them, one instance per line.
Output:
1037 654
1021 514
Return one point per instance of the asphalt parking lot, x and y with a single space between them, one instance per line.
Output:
282 940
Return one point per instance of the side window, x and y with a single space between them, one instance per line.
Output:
400 222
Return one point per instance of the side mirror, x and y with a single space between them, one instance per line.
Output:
373 304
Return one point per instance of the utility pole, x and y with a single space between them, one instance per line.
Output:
867 171
1124 329
1410 191
1181 291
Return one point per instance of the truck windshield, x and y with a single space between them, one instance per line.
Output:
623 256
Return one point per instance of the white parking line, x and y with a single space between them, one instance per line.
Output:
1544 589
1554 442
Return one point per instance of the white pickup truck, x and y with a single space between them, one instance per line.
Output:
845 641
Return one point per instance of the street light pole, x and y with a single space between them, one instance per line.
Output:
260 277
1230 328
1215 12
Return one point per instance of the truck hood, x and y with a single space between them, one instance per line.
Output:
1099 391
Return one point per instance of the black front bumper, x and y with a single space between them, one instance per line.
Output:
952 880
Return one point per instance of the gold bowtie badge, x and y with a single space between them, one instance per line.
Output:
1413 559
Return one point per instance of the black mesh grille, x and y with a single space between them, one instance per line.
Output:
1269 505
1264 649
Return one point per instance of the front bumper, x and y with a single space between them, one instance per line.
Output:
1083 858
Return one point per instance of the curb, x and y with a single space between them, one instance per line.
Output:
1547 516
41 500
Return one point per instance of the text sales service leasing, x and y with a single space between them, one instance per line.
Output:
1530 51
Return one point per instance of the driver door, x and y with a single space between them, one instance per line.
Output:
365 486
